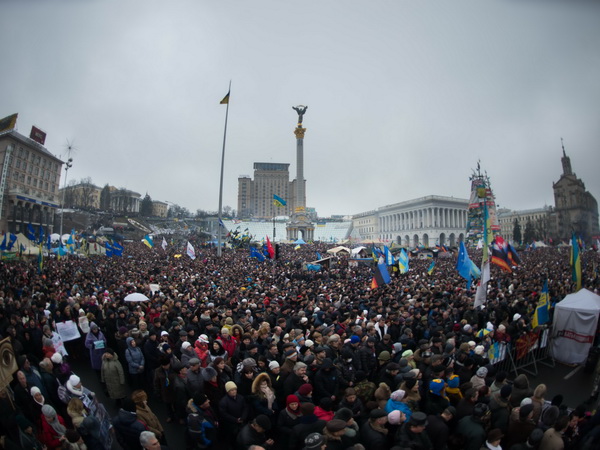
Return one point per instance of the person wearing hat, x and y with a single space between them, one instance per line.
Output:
388 374
307 424
326 381
473 427
500 408
128 426
436 400
315 441
478 380
374 433
413 435
351 401
233 411
334 434
367 357
52 433
201 421
145 414
113 376
519 429
135 362
396 402
493 439
195 381
95 342
253 433
438 429
187 353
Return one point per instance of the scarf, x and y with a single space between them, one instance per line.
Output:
492 447
57 426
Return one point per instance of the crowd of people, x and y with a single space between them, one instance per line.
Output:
249 354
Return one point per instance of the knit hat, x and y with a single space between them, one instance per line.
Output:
517 316
454 381
74 380
354 339
305 389
35 390
273 365
479 350
394 417
199 398
377 414
344 414
505 391
56 358
410 383
209 373
263 422
384 356
185 345
229 386
482 372
407 353
436 386
314 441
398 395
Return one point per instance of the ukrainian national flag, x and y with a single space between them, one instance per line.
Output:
278 201
431 267
575 262
540 316
8 123
148 241
403 261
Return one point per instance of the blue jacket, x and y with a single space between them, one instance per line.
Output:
393 405
134 356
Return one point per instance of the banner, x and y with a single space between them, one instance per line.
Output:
68 330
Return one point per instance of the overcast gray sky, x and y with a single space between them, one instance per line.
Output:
404 96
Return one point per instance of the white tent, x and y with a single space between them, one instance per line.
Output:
336 250
574 327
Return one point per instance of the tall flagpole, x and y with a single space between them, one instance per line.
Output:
225 100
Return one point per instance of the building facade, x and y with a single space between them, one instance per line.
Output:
29 180
159 209
255 197
539 219
576 210
427 221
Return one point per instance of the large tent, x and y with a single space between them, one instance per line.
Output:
575 325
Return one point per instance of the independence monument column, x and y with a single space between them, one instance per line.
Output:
300 225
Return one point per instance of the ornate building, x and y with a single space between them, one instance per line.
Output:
428 221
576 210
255 197
29 180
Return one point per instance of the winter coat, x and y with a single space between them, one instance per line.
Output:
135 358
249 436
48 436
96 344
233 408
326 383
112 374
406 439
552 440
128 429
500 413
145 414
163 381
520 390
373 439
393 405
306 425
473 431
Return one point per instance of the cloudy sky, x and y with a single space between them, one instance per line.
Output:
404 96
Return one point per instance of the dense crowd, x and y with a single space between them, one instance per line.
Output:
248 354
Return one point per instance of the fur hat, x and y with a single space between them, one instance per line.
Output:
209 373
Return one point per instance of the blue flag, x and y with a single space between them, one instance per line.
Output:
30 232
41 235
466 268
109 250
3 245
254 253
403 261
117 249
11 241
389 258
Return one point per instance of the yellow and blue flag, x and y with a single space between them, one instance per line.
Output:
225 100
540 316
403 261
278 201
148 241
431 267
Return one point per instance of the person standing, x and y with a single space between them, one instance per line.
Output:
95 342
135 363
113 376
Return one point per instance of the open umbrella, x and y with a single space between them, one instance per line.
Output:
136 297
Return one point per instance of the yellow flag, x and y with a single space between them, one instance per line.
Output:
225 100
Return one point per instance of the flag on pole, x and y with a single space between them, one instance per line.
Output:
40 259
431 267
254 253
117 249
381 275
575 262
270 249
466 268
403 261
12 238
500 254
389 257
164 243
540 316
225 100
148 241
30 232
278 201
191 252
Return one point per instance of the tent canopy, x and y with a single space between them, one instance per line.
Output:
336 250
575 325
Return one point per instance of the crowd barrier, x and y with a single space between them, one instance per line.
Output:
525 354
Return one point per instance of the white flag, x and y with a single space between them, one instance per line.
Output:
190 250
164 243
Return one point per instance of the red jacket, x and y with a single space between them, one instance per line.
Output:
48 436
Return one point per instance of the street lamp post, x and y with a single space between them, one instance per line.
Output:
68 165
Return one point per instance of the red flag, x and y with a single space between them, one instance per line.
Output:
270 249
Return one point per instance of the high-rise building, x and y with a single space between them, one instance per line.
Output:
255 197
29 180
576 210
